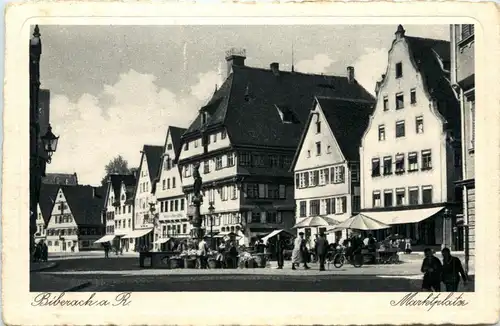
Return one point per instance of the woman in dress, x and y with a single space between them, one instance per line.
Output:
298 251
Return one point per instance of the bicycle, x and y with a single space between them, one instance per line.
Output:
356 259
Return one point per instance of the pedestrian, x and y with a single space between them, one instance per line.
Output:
44 252
408 246
321 249
431 267
452 270
280 251
73 248
297 248
202 253
106 250
38 251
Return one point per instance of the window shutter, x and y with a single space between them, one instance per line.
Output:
344 204
297 180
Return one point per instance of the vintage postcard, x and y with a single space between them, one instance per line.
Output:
251 164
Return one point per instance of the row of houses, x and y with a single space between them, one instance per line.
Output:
274 147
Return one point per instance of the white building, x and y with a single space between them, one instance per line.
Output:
48 194
326 164
171 200
144 197
119 211
244 140
75 222
410 152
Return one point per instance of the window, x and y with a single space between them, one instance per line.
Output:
413 196
399 70
388 198
338 174
386 103
223 193
400 129
400 163
173 182
218 162
168 183
314 207
223 134
472 132
328 149
400 196
354 173
467 30
171 205
271 217
400 101
302 180
184 228
412 162
375 167
356 203
381 132
387 165
234 192
215 138
413 96
426 160
340 205
427 195
330 206
318 127
245 159
315 175
262 191
282 192
318 148
279 218
258 160
255 217
230 159
273 161
186 146
308 153
419 125
206 166
303 208
322 180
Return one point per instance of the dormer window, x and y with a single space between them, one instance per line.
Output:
287 115
204 117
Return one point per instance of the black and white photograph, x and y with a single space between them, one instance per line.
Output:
253 158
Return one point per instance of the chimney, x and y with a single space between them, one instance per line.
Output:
275 68
350 74
235 57
400 33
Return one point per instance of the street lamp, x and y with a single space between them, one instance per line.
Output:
446 217
49 141
211 210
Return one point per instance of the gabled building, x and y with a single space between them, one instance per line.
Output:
118 214
244 140
60 179
463 80
171 200
144 197
48 193
410 152
75 222
326 164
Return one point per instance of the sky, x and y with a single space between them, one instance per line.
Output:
115 88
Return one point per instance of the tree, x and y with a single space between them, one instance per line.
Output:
117 165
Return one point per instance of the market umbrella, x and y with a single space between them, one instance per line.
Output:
275 233
316 221
362 222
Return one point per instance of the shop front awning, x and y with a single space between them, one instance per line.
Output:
137 233
405 216
162 240
106 238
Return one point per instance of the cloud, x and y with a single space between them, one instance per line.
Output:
119 120
317 65
370 66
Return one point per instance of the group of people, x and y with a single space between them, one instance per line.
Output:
301 253
41 252
449 271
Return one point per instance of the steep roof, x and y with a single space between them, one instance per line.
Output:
176 134
116 181
48 194
249 102
153 156
429 55
60 178
348 121
86 203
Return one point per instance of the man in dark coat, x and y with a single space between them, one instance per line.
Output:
280 251
452 271
432 268
321 249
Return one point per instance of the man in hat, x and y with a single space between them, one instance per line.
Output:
280 249
321 249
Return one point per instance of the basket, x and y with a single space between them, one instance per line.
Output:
176 263
214 264
189 262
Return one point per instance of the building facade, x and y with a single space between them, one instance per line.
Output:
244 140
48 194
463 80
410 153
326 165
118 214
75 222
171 200
144 198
